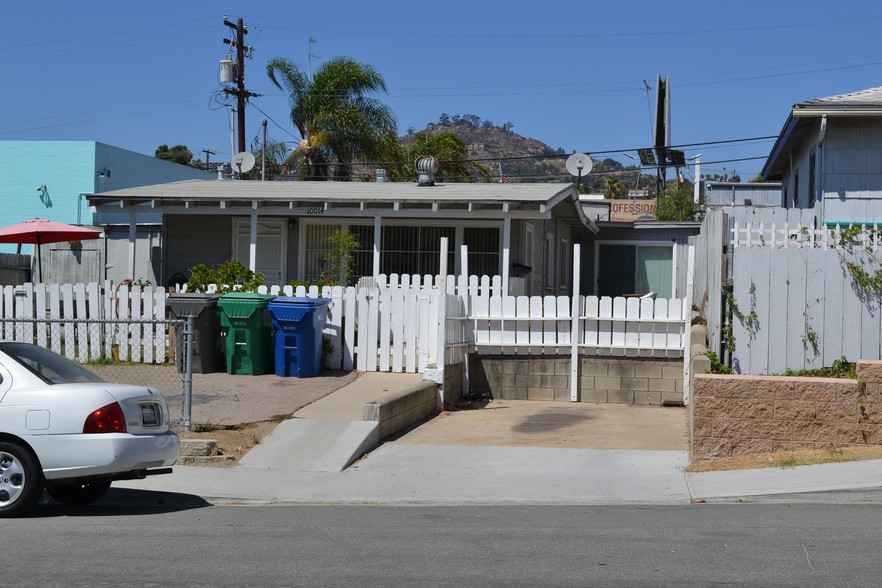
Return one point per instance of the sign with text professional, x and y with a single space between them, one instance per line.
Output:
628 211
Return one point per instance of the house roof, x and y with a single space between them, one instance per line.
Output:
803 116
346 199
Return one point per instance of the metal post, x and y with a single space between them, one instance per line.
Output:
189 334
575 324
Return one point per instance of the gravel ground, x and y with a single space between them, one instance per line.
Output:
223 399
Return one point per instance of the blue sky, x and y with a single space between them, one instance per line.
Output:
571 74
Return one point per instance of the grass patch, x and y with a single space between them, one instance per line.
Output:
787 459
841 368
206 427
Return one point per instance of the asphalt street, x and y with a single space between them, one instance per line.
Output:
116 543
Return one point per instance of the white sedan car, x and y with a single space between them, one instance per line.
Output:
65 430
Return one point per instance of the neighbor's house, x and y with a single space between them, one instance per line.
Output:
50 180
792 300
632 253
522 232
829 157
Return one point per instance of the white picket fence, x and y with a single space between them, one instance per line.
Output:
86 322
399 324
603 326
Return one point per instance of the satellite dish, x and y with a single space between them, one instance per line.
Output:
243 162
579 164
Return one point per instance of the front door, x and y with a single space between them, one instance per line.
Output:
272 247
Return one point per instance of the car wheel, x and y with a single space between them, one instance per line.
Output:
80 493
21 481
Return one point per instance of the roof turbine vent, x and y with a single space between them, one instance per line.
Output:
427 167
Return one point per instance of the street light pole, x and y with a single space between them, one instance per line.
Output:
695 190
639 168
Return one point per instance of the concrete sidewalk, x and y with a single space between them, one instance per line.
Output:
398 473
506 452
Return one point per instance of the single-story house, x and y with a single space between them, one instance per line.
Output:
281 228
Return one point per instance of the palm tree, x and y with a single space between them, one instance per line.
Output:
337 119
613 188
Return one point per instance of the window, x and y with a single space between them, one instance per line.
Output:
634 269
483 245
812 195
415 249
549 261
563 264
528 255
317 248
796 189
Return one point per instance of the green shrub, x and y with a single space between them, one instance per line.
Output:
228 276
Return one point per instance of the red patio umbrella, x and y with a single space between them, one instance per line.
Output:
39 231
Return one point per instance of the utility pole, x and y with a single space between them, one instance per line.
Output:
263 153
240 92
208 153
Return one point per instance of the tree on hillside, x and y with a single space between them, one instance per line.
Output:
177 154
339 122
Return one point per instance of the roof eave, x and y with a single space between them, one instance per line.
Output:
772 162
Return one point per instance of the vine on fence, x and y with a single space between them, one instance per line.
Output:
810 337
867 284
749 321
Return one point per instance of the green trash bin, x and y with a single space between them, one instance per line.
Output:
249 334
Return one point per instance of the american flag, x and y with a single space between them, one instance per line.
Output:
503 179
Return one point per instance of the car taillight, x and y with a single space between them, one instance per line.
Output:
107 419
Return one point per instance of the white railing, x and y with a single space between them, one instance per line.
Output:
604 326
795 236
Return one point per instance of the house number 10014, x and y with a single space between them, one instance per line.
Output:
315 210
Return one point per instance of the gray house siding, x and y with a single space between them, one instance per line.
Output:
852 171
191 240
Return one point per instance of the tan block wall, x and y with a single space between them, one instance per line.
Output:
741 415
615 380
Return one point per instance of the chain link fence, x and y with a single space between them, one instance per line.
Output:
154 353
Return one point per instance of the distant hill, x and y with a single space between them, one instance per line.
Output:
523 159
494 146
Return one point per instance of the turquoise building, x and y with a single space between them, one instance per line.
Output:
50 180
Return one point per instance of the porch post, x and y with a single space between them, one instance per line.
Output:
464 295
506 246
377 242
252 243
133 238
441 341
574 330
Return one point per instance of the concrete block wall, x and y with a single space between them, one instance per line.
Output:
742 415
398 410
616 380
452 383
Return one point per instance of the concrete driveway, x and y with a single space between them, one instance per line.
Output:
531 423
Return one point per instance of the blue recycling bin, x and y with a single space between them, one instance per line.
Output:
298 323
